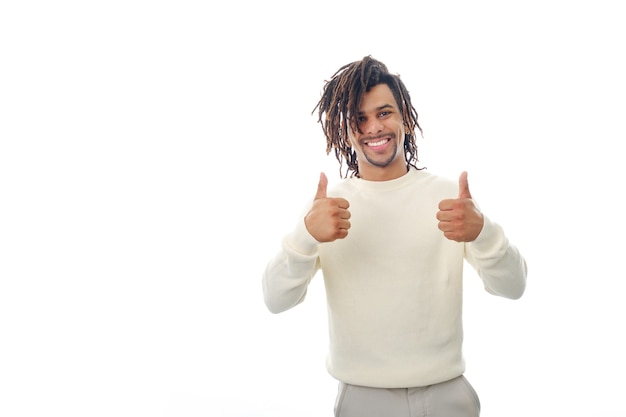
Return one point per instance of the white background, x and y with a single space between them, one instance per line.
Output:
154 153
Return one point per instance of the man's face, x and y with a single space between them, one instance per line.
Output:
379 141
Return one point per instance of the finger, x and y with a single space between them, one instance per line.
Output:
342 203
444 226
341 234
344 214
464 191
447 204
444 216
321 187
343 224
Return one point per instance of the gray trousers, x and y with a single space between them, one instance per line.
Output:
454 398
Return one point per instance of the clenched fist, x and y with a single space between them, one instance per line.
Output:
328 218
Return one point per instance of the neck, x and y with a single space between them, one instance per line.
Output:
374 173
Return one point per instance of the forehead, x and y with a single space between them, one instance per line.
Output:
378 97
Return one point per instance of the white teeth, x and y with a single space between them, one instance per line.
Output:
379 143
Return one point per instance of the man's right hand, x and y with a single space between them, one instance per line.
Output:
328 219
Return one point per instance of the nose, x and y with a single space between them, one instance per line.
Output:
373 126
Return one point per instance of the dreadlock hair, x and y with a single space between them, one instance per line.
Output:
339 105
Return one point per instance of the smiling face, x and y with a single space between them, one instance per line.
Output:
379 141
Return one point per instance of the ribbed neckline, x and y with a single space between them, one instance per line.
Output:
381 186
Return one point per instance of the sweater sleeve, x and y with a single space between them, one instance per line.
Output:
289 273
498 263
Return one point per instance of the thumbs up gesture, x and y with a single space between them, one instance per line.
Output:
459 219
328 218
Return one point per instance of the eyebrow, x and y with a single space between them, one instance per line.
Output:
383 107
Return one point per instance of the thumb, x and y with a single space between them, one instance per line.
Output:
321 187
464 191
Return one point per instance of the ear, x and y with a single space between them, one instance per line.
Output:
408 130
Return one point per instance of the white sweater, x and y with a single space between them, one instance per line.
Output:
394 284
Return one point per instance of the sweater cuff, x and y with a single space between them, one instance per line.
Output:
490 238
301 241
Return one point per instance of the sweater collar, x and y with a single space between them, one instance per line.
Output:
381 186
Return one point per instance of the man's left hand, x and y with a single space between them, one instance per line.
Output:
459 219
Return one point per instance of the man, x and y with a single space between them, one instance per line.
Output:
390 241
